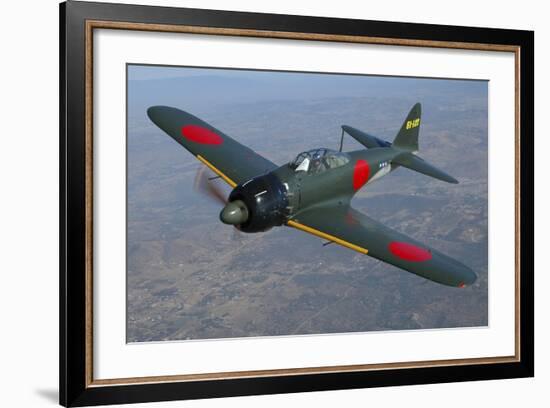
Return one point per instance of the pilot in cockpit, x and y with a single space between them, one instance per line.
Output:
318 160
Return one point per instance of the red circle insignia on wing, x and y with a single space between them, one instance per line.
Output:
409 252
199 134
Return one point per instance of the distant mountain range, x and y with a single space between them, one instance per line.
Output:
209 90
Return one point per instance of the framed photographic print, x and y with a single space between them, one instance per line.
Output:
255 203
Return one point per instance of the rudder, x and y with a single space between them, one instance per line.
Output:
407 138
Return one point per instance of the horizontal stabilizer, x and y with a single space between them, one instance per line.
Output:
365 139
415 163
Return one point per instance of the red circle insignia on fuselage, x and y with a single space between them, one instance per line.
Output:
409 252
201 135
361 174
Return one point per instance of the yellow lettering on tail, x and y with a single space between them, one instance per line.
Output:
411 124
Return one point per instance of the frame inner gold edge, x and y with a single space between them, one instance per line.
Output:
91 24
298 371
89 206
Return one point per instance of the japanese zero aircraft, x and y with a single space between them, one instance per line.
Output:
313 192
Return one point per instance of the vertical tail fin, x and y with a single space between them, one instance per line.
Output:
407 138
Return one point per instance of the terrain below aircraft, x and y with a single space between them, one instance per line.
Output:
312 193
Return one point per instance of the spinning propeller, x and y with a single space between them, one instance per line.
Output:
233 212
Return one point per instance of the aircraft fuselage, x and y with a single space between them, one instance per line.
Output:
335 185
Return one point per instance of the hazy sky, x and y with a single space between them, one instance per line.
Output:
145 72
199 88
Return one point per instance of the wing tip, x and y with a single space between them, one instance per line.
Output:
468 279
154 112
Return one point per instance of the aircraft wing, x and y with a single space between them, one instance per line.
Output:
355 230
229 159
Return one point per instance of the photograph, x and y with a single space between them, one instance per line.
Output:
285 203
256 203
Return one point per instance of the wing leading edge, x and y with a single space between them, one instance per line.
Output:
355 230
231 160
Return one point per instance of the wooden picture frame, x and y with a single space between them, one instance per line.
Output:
78 20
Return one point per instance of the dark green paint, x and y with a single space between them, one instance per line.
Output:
322 200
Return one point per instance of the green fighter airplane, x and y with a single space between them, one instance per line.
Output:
312 193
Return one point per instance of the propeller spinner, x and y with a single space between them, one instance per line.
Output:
234 212
256 205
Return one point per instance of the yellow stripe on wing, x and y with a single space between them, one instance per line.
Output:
218 172
329 237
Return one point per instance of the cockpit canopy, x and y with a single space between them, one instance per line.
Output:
318 160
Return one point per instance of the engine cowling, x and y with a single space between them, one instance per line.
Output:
265 200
